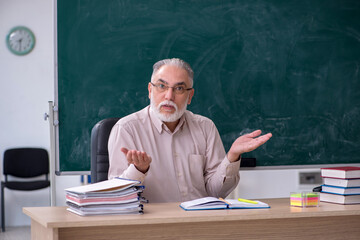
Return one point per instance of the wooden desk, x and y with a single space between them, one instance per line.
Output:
169 221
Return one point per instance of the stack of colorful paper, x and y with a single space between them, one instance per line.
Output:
304 199
116 196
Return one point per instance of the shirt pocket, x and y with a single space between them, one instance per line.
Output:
197 164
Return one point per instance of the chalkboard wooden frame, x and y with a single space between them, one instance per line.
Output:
286 67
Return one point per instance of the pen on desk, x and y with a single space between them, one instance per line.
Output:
247 201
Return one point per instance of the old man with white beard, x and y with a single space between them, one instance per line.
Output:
176 154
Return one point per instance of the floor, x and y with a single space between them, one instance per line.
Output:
16 233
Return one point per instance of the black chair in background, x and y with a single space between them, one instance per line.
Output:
99 149
23 163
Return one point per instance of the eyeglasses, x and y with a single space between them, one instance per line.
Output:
177 89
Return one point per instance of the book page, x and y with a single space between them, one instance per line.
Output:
236 203
108 185
208 201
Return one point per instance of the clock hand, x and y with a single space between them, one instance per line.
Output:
20 40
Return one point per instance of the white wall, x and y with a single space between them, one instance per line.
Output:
257 184
26 86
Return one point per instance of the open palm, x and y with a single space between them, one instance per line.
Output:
247 143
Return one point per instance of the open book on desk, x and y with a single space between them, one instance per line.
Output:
212 203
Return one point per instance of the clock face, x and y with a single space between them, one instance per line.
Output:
20 40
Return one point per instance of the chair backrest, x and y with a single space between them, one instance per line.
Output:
99 149
26 162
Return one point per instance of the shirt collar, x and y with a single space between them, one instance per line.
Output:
180 124
155 121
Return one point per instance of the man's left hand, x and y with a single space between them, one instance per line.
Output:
247 143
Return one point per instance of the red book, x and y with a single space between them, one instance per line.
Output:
341 172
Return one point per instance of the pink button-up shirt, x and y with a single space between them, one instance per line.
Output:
188 163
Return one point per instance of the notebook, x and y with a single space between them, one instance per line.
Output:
212 203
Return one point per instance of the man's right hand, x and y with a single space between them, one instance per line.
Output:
140 159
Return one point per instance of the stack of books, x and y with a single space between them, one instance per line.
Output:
116 196
341 185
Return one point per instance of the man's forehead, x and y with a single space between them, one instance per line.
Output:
172 74
167 83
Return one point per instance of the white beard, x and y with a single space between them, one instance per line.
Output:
173 117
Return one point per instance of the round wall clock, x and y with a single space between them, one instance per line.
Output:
20 40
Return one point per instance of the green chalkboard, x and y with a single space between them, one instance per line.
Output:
287 67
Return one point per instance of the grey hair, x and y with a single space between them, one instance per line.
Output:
175 62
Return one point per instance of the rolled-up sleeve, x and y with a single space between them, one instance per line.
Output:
118 165
221 176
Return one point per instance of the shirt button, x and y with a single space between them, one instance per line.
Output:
179 174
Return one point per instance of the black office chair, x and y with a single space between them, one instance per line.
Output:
23 163
99 149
